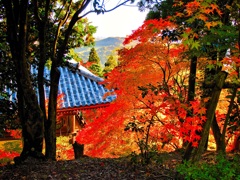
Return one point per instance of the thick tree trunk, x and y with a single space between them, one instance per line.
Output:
50 123
32 129
220 79
30 114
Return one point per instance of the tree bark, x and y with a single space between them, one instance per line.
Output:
30 113
210 115
223 143
216 133
192 79
50 124
236 143
191 95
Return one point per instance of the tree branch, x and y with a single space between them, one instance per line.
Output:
226 85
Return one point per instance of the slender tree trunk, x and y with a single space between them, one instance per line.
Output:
236 143
59 49
192 79
50 125
223 139
191 95
216 133
220 79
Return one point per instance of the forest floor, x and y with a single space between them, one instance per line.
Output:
163 167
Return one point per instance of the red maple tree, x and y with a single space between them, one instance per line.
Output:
151 88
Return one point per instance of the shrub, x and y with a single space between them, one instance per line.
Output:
10 150
7 156
13 146
223 169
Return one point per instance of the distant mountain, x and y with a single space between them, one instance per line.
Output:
104 48
110 41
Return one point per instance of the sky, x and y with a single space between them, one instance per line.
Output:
117 23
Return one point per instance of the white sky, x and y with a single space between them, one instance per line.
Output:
117 23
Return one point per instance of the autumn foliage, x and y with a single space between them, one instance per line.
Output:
151 83
152 111
151 88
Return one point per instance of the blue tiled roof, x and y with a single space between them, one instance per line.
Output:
80 87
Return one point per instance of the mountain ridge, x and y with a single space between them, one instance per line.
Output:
104 48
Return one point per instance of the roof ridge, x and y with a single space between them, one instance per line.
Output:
80 69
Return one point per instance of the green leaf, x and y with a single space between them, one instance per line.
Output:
195 45
210 66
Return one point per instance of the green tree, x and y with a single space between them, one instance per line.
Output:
7 80
110 64
96 69
73 55
93 56
38 31
160 9
94 59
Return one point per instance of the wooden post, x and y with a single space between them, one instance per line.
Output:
73 120
78 148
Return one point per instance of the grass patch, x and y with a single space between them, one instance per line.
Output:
11 148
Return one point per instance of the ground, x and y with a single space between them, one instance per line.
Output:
95 168
91 168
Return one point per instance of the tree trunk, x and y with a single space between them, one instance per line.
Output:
216 133
223 139
191 95
192 79
30 114
50 123
220 79
236 143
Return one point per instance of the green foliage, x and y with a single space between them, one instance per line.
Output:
160 9
13 146
93 56
110 64
82 34
71 55
8 114
96 69
74 55
223 169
